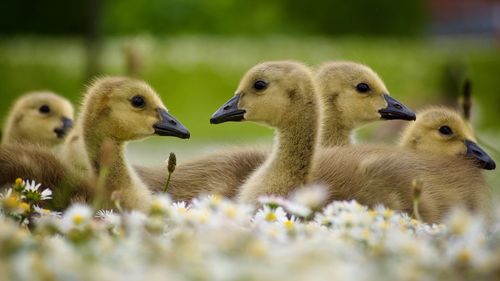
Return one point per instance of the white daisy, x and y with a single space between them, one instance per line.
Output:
109 217
78 216
32 193
46 194
266 214
6 194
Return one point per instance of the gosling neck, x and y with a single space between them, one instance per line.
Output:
290 163
294 150
119 174
335 131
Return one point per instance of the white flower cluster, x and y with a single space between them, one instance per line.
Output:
22 201
216 239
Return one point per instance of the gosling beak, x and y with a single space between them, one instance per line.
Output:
228 112
169 126
396 110
67 124
480 156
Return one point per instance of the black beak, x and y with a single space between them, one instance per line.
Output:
228 112
396 110
479 155
62 131
169 126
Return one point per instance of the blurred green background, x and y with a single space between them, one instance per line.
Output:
193 53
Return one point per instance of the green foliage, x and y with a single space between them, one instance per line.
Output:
382 17
53 17
235 17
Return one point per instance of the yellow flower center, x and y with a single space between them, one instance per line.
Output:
78 219
289 225
19 181
156 208
270 216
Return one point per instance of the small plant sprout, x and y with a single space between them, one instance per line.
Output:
172 162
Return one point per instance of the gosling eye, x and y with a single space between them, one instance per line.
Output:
138 101
445 130
362 88
260 85
44 109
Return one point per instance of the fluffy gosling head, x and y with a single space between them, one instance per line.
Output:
272 93
355 92
127 109
41 118
441 130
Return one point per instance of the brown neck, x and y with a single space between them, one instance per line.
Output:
334 130
334 133
290 163
294 150
118 173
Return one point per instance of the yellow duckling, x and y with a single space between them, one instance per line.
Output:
39 118
440 130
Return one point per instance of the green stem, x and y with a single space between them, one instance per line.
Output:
167 183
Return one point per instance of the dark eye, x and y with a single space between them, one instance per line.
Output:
45 109
362 87
138 101
445 130
260 85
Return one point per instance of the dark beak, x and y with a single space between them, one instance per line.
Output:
396 110
228 112
479 155
169 126
62 131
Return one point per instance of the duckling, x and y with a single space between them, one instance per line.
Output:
441 130
351 95
118 110
281 95
38 118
